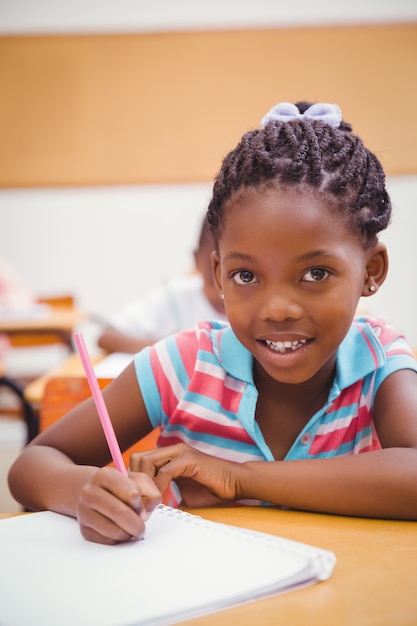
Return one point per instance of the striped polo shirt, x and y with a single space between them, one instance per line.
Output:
198 387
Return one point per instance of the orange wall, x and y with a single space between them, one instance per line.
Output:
140 108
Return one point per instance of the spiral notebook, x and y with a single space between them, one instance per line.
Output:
184 567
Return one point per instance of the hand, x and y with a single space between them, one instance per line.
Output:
112 508
203 480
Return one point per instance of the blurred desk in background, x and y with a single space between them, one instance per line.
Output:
42 324
38 336
107 367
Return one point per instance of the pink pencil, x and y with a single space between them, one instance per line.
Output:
100 405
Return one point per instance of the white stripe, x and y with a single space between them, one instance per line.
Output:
209 368
234 385
344 422
337 424
216 371
168 369
207 414
364 442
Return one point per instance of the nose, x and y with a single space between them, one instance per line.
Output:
279 304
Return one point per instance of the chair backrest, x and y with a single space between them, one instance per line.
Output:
61 394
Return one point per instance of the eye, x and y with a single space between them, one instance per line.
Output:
316 275
244 277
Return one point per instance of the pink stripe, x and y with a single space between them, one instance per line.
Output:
215 389
332 440
199 425
168 398
187 347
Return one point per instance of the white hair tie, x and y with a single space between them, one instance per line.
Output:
285 111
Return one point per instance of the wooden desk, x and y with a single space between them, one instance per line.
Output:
374 581
59 322
373 584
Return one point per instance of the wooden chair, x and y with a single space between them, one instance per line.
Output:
64 393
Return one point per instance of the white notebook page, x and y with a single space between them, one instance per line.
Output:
184 567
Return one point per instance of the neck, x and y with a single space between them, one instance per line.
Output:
313 392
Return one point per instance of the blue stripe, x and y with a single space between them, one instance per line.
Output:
207 357
208 403
342 412
147 385
176 361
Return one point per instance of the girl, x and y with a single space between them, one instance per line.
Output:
297 403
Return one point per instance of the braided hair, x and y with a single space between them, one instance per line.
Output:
310 154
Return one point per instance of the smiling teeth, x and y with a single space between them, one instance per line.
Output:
284 346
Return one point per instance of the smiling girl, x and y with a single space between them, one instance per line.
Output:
297 402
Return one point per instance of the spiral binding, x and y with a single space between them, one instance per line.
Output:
324 560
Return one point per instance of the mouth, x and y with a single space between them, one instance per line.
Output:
286 346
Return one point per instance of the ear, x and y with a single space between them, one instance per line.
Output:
215 264
376 269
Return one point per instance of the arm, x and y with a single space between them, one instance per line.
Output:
113 340
380 484
139 324
60 469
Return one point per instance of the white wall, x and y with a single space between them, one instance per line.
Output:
106 245
102 244
79 16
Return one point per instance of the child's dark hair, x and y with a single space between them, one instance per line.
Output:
307 152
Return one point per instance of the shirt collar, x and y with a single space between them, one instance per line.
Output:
359 354
234 357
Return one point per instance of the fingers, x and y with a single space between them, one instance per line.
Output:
169 463
151 496
151 461
157 464
210 475
112 508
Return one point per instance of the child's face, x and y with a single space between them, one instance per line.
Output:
292 273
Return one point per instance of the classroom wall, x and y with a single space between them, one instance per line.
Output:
110 140
104 244
165 107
